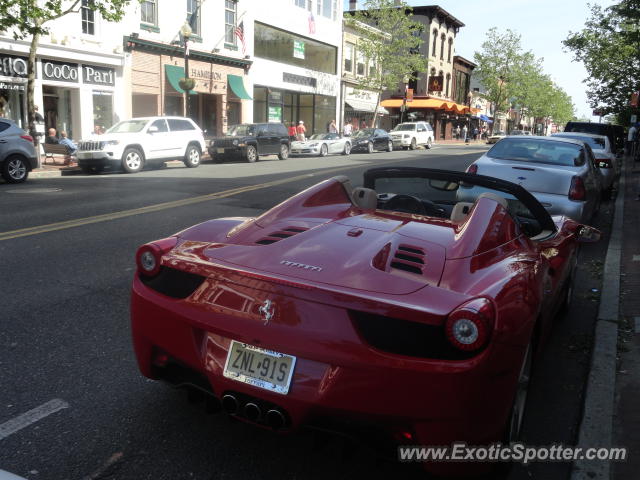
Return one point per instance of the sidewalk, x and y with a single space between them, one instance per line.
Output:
59 170
626 425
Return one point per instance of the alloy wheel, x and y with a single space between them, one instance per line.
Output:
16 169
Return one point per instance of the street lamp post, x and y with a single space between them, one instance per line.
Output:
404 98
186 32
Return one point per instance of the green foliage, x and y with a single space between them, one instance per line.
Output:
389 45
609 47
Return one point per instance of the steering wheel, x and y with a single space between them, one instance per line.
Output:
406 204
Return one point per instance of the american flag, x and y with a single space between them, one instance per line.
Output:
312 23
239 32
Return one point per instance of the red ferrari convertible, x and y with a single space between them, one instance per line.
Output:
392 306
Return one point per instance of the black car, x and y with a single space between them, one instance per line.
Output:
606 129
371 139
251 140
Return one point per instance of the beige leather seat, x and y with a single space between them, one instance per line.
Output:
460 211
365 198
493 196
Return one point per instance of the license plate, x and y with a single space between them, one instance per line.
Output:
259 367
220 150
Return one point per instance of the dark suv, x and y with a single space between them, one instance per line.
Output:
250 141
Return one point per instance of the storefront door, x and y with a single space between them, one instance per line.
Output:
57 110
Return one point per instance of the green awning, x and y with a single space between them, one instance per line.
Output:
174 74
237 86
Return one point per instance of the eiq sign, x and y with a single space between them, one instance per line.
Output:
11 66
60 71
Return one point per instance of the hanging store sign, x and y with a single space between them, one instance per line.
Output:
98 75
60 71
298 49
299 79
435 83
11 66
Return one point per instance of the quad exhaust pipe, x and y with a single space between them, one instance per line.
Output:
274 417
252 412
230 404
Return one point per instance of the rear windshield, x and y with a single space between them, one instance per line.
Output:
595 143
537 151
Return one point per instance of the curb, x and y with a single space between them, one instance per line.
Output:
596 427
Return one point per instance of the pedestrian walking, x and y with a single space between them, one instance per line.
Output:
292 131
301 131
631 136
347 129
475 134
465 131
458 132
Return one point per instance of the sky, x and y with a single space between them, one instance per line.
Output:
542 24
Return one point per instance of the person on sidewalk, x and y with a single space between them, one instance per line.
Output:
631 135
332 127
52 138
465 135
347 129
301 131
292 131
458 132
72 148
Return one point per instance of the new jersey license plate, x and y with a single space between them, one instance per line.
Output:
259 367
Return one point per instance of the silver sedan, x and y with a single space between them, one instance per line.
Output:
559 172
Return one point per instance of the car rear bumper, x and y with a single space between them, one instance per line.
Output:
436 402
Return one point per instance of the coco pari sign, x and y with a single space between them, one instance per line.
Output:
70 72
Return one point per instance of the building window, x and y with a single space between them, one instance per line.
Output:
348 57
149 12
372 68
301 3
442 40
435 40
325 8
193 15
360 64
88 17
450 49
448 84
230 15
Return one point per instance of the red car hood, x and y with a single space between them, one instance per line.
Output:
357 253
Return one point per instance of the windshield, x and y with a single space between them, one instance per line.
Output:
365 132
128 126
322 136
404 127
241 130
594 142
537 151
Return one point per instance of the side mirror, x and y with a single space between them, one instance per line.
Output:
587 234
152 129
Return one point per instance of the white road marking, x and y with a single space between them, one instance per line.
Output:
32 416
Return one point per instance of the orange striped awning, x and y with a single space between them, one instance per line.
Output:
433 103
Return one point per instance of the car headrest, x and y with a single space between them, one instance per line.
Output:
365 198
460 211
346 183
495 197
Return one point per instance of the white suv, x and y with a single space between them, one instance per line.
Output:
412 134
131 144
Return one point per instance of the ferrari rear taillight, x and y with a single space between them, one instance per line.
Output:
473 168
148 257
469 326
577 190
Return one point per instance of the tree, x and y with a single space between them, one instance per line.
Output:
391 47
609 48
29 18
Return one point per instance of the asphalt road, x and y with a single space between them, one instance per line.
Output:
66 250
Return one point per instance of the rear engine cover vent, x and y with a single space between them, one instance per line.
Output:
408 258
279 235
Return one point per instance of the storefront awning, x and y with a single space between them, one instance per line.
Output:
364 106
426 103
237 86
174 74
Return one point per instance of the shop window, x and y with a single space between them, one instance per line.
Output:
149 13
193 14
259 104
102 110
325 111
348 57
88 16
282 46
230 15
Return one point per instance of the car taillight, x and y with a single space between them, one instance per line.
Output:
604 162
469 326
149 255
28 138
473 168
577 191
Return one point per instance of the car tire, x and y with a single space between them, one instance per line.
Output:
192 156
324 150
347 148
284 152
414 144
389 146
428 145
15 169
251 154
370 147
518 409
132 160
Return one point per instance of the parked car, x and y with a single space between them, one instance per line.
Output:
17 153
496 137
322 144
132 144
371 139
607 129
250 141
605 159
409 135
559 172
343 303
